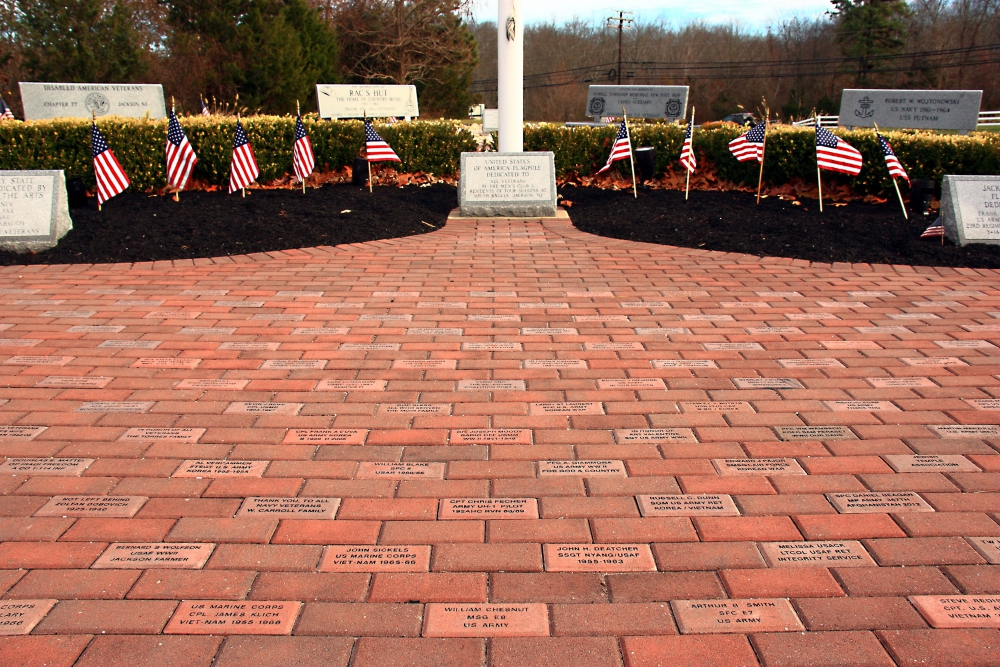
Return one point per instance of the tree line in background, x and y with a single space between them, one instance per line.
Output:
270 52
273 52
797 66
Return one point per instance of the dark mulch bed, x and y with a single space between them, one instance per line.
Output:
135 227
733 222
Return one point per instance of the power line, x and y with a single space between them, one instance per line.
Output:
738 69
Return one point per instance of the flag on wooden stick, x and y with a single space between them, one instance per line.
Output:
376 148
895 167
111 178
835 154
303 160
204 108
935 230
750 145
181 157
5 112
244 170
688 159
622 148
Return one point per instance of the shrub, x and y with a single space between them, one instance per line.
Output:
790 152
430 147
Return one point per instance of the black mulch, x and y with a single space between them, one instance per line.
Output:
733 222
136 227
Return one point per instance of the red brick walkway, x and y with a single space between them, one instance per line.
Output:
513 444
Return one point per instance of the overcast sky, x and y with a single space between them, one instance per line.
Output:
753 15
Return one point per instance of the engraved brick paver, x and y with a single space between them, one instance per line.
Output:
502 443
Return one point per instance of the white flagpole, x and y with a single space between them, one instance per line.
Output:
631 157
687 184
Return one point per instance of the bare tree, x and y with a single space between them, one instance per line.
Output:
402 41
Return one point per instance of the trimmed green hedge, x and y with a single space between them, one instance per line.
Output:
430 147
435 148
790 153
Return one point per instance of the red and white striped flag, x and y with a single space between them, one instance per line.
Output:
5 112
750 145
688 159
936 230
376 149
111 178
835 154
180 156
303 159
244 170
622 148
204 108
895 167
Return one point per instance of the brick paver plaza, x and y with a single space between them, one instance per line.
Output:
504 443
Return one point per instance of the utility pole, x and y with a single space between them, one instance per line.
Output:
622 19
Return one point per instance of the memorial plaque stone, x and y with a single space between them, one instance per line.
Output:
486 620
555 363
392 347
213 383
414 408
158 555
492 347
989 547
888 383
695 617
877 502
221 468
970 209
425 364
814 433
351 385
732 346
582 468
767 383
228 617
966 430
397 558
598 558
491 436
930 462
491 385
74 382
264 408
19 617
375 101
488 508
508 185
626 436
728 467
632 383
911 109
325 436
716 504
115 406
20 432
847 553
290 508
565 408
660 364
178 435
667 102
959 611
715 406
84 100
54 467
294 364
99 506
810 363
380 470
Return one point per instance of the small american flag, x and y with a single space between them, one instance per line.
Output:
835 154
622 148
895 168
936 230
204 108
750 145
111 178
376 148
608 119
5 112
303 160
180 156
688 158
244 169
